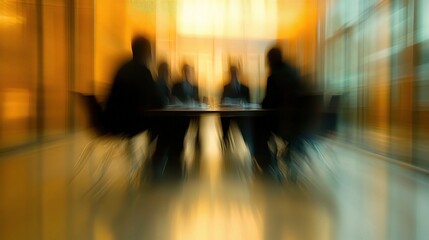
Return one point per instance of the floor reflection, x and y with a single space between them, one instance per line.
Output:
204 212
222 197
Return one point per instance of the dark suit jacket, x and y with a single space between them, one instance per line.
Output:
133 90
283 93
164 90
229 91
283 86
185 92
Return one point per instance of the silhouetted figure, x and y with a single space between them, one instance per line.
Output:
167 161
163 82
184 91
133 91
234 93
283 92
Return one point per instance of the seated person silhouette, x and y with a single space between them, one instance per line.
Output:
163 80
167 160
184 91
133 91
234 93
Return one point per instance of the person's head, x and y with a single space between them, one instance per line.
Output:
187 71
141 48
163 70
275 58
233 71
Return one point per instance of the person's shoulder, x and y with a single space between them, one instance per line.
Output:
126 64
122 72
227 85
244 86
177 85
145 69
287 72
161 83
290 69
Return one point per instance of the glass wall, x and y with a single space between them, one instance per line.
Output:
421 84
375 56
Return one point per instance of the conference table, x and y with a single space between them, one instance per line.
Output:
175 119
224 110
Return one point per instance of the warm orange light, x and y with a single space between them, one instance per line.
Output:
296 17
203 33
209 218
16 103
228 19
11 20
9 16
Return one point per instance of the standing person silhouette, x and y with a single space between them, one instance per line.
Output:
282 96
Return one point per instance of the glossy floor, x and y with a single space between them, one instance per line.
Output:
362 196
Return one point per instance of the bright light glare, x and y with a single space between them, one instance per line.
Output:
226 18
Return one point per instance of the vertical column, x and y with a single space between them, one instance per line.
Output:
82 39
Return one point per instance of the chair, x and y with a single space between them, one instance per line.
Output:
97 124
331 114
94 112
